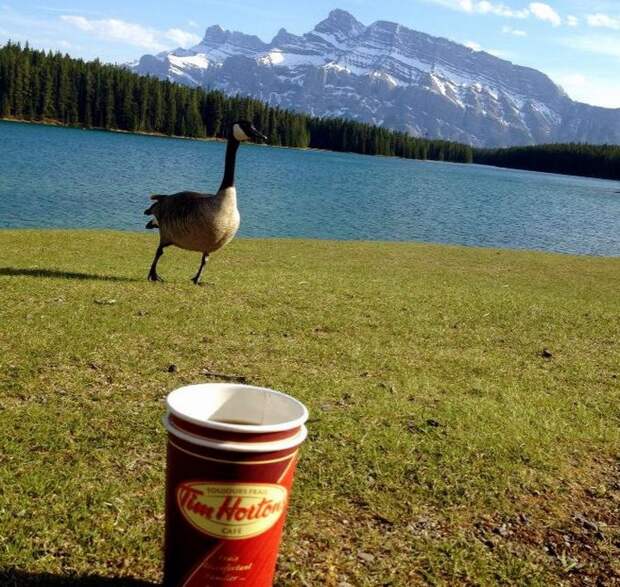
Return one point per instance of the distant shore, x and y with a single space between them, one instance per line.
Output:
57 123
52 122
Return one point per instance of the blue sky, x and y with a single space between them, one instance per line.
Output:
576 42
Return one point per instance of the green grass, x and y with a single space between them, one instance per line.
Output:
444 448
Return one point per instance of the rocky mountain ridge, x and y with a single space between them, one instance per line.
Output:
390 75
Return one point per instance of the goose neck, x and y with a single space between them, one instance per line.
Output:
228 180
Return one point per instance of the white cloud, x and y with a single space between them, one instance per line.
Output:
496 52
483 7
78 21
539 10
508 30
603 21
599 44
500 53
193 24
182 38
65 10
112 29
546 13
598 91
571 80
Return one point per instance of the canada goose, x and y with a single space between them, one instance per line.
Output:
201 222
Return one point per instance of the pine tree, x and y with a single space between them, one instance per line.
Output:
109 107
170 109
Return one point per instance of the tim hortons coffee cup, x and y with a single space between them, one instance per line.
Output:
232 452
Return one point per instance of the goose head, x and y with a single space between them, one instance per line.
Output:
243 130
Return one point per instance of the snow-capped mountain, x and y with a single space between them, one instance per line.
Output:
390 75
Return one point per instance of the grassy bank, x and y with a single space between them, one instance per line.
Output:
446 446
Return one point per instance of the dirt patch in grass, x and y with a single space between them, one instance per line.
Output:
569 535
573 531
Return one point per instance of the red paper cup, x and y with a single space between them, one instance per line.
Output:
232 452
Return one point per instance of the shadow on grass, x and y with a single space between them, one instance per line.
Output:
16 272
15 578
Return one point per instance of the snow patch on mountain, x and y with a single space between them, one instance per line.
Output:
390 75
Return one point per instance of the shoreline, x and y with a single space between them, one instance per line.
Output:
344 242
58 124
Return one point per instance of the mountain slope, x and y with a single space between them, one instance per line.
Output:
387 74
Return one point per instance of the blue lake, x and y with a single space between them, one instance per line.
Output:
58 177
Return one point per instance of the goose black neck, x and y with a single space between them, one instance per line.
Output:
229 169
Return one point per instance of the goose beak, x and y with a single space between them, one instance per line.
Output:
259 135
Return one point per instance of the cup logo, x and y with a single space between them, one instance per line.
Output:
230 510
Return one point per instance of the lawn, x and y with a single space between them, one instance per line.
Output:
464 405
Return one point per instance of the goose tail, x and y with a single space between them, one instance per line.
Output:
153 208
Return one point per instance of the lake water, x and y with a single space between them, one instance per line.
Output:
58 177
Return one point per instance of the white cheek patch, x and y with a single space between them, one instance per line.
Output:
239 134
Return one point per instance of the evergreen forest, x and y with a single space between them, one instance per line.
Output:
51 87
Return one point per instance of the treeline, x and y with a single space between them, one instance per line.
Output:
51 87
573 158
40 86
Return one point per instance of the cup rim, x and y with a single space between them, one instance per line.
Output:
237 428
230 446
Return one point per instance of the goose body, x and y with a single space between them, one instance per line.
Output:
195 221
201 222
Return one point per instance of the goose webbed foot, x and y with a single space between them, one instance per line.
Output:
154 278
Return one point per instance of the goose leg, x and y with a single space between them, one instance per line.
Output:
203 261
153 272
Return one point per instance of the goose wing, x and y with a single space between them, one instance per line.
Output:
179 208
